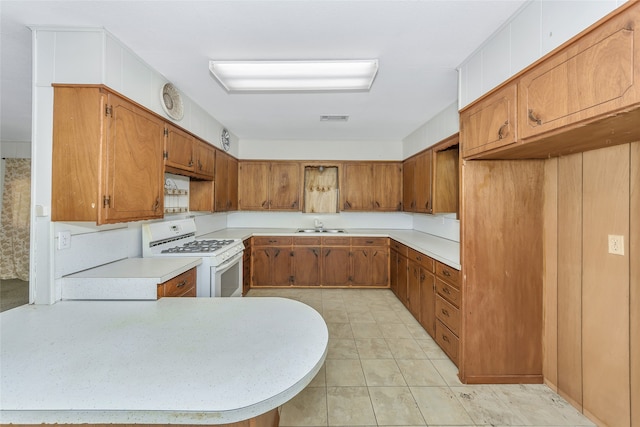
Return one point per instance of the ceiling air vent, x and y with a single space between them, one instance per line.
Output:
334 118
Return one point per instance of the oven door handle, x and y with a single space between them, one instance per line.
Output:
228 263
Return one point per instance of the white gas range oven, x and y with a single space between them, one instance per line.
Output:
219 275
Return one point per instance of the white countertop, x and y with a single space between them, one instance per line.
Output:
175 360
444 250
130 279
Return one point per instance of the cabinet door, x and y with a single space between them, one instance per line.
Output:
335 266
221 182
394 258
379 267
413 290
232 184
253 183
78 134
284 186
446 176
597 74
403 278
281 262
205 157
134 172
306 266
387 185
361 266
427 302
261 267
422 182
408 185
357 188
490 123
178 149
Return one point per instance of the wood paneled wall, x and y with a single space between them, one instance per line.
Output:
592 331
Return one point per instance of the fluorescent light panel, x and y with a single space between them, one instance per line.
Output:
295 75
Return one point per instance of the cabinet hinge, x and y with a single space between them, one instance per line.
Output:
108 110
165 155
106 201
166 132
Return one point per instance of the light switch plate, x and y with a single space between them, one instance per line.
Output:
64 240
616 244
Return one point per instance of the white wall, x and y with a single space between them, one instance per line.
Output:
441 126
320 150
535 30
90 56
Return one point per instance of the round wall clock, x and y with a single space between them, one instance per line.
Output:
225 138
171 101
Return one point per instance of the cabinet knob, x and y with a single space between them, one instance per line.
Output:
534 118
181 284
445 338
445 312
502 129
446 273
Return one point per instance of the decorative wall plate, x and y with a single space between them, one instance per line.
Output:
225 138
171 102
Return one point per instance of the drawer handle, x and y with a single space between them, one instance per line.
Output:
369 242
181 284
446 273
446 291
502 128
445 338
445 312
534 118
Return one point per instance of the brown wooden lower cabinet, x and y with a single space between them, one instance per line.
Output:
183 285
246 267
419 283
312 261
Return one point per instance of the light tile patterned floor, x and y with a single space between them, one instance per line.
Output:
383 369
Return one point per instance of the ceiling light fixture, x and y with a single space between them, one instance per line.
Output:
270 76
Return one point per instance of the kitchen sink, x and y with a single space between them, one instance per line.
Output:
320 230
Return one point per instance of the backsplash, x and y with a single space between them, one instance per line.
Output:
387 220
441 225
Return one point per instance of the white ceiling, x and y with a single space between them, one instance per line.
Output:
419 44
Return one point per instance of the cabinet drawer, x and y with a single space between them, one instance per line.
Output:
335 241
399 247
448 274
447 341
448 314
307 241
369 241
448 292
272 240
183 285
422 259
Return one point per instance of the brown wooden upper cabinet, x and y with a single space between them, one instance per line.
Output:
204 156
368 186
178 149
597 74
445 183
491 123
417 183
582 96
226 183
107 157
269 185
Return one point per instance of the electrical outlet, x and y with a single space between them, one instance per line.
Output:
616 244
64 240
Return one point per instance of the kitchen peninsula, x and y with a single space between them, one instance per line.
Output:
171 361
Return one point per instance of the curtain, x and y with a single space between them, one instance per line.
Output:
15 220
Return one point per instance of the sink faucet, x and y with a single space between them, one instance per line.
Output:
318 225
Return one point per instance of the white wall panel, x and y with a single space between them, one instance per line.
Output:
294 220
320 150
562 20
525 37
78 57
445 225
496 60
441 126
138 82
536 29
